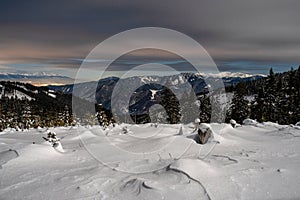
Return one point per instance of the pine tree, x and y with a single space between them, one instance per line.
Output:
258 106
270 99
240 106
264 106
60 119
89 119
205 108
101 116
171 105
158 114
67 116
189 109
218 113
2 119
26 118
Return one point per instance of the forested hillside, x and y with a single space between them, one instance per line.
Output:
274 98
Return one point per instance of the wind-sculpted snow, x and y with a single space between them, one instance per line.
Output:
6 156
162 184
259 161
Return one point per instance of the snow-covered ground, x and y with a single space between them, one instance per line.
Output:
259 161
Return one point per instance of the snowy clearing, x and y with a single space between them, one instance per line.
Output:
248 162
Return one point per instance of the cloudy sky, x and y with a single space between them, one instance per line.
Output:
56 35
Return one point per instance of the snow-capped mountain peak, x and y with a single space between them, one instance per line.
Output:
229 75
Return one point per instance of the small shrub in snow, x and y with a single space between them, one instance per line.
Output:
154 124
52 139
125 130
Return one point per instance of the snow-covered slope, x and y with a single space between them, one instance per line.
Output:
27 91
16 93
249 162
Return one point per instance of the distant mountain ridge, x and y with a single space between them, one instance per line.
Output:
229 78
142 97
282 89
231 75
36 78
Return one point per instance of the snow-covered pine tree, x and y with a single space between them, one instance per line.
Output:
293 96
297 96
190 102
205 108
2 119
217 111
171 105
89 119
184 107
158 114
60 120
270 99
67 116
257 106
101 116
240 106
282 106
26 117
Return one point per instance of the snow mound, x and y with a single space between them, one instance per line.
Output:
204 126
232 121
275 125
58 147
250 122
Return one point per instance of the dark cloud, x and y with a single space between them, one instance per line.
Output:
58 30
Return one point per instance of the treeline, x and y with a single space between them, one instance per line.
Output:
24 114
276 99
23 106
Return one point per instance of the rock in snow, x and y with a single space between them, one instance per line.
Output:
205 133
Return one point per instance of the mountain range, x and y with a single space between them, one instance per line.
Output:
149 93
105 87
37 78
